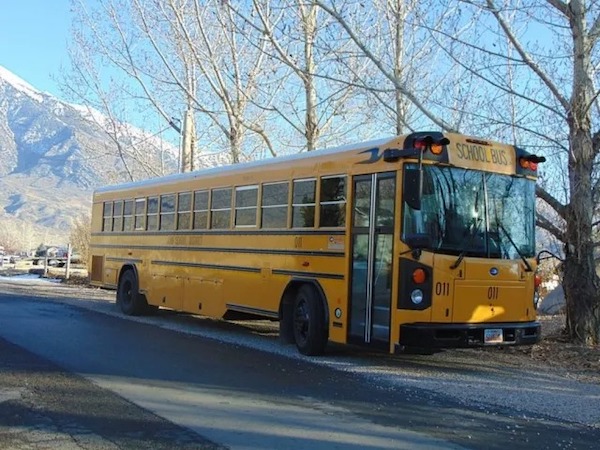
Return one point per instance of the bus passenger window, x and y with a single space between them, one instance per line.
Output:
128 215
333 202
200 210
140 214
184 211
152 221
118 216
246 198
167 212
274 205
107 216
303 203
220 211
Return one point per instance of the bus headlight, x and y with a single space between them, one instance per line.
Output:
416 296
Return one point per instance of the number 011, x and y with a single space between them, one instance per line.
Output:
442 289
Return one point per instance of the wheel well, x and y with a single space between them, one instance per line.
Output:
127 267
286 305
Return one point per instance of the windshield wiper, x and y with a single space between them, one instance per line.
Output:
470 237
527 265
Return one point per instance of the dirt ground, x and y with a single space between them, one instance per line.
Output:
554 349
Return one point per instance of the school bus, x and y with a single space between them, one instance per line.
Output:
425 241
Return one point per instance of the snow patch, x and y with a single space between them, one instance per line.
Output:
20 85
29 278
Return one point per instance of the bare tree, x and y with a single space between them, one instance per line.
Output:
108 98
559 113
316 105
80 236
406 78
553 106
220 74
16 235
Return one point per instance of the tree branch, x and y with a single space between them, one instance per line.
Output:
545 224
560 5
560 209
594 33
525 56
390 76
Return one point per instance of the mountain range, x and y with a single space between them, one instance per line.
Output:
54 153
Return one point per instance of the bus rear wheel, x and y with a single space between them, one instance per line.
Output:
129 299
310 331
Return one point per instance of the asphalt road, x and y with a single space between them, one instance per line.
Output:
126 384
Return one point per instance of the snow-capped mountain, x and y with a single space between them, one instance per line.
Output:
53 154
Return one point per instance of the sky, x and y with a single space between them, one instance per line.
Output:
33 40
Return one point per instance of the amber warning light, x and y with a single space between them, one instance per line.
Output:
428 143
531 162
420 146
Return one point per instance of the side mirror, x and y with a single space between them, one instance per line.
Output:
411 188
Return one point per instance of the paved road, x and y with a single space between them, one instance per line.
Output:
42 406
239 397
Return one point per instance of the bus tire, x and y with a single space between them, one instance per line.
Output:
129 299
310 331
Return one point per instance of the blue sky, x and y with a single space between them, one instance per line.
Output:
33 40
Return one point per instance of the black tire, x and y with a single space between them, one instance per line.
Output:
310 329
129 299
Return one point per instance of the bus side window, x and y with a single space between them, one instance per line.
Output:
274 205
107 216
303 203
184 211
167 212
246 198
152 216
118 216
128 215
333 202
200 210
220 209
140 214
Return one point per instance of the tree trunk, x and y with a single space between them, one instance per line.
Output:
235 142
312 125
400 12
581 283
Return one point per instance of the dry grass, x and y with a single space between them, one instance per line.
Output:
556 351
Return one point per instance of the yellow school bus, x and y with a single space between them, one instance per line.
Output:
419 241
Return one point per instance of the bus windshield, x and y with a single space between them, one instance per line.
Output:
473 213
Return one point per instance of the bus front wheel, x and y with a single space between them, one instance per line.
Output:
310 333
129 299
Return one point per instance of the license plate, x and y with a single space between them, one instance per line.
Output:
492 336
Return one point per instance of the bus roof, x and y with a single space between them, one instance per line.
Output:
242 166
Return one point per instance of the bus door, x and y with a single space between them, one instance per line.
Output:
372 241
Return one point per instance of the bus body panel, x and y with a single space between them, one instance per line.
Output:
247 269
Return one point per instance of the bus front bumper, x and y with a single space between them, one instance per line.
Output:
461 335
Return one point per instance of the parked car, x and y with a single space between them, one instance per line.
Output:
56 256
